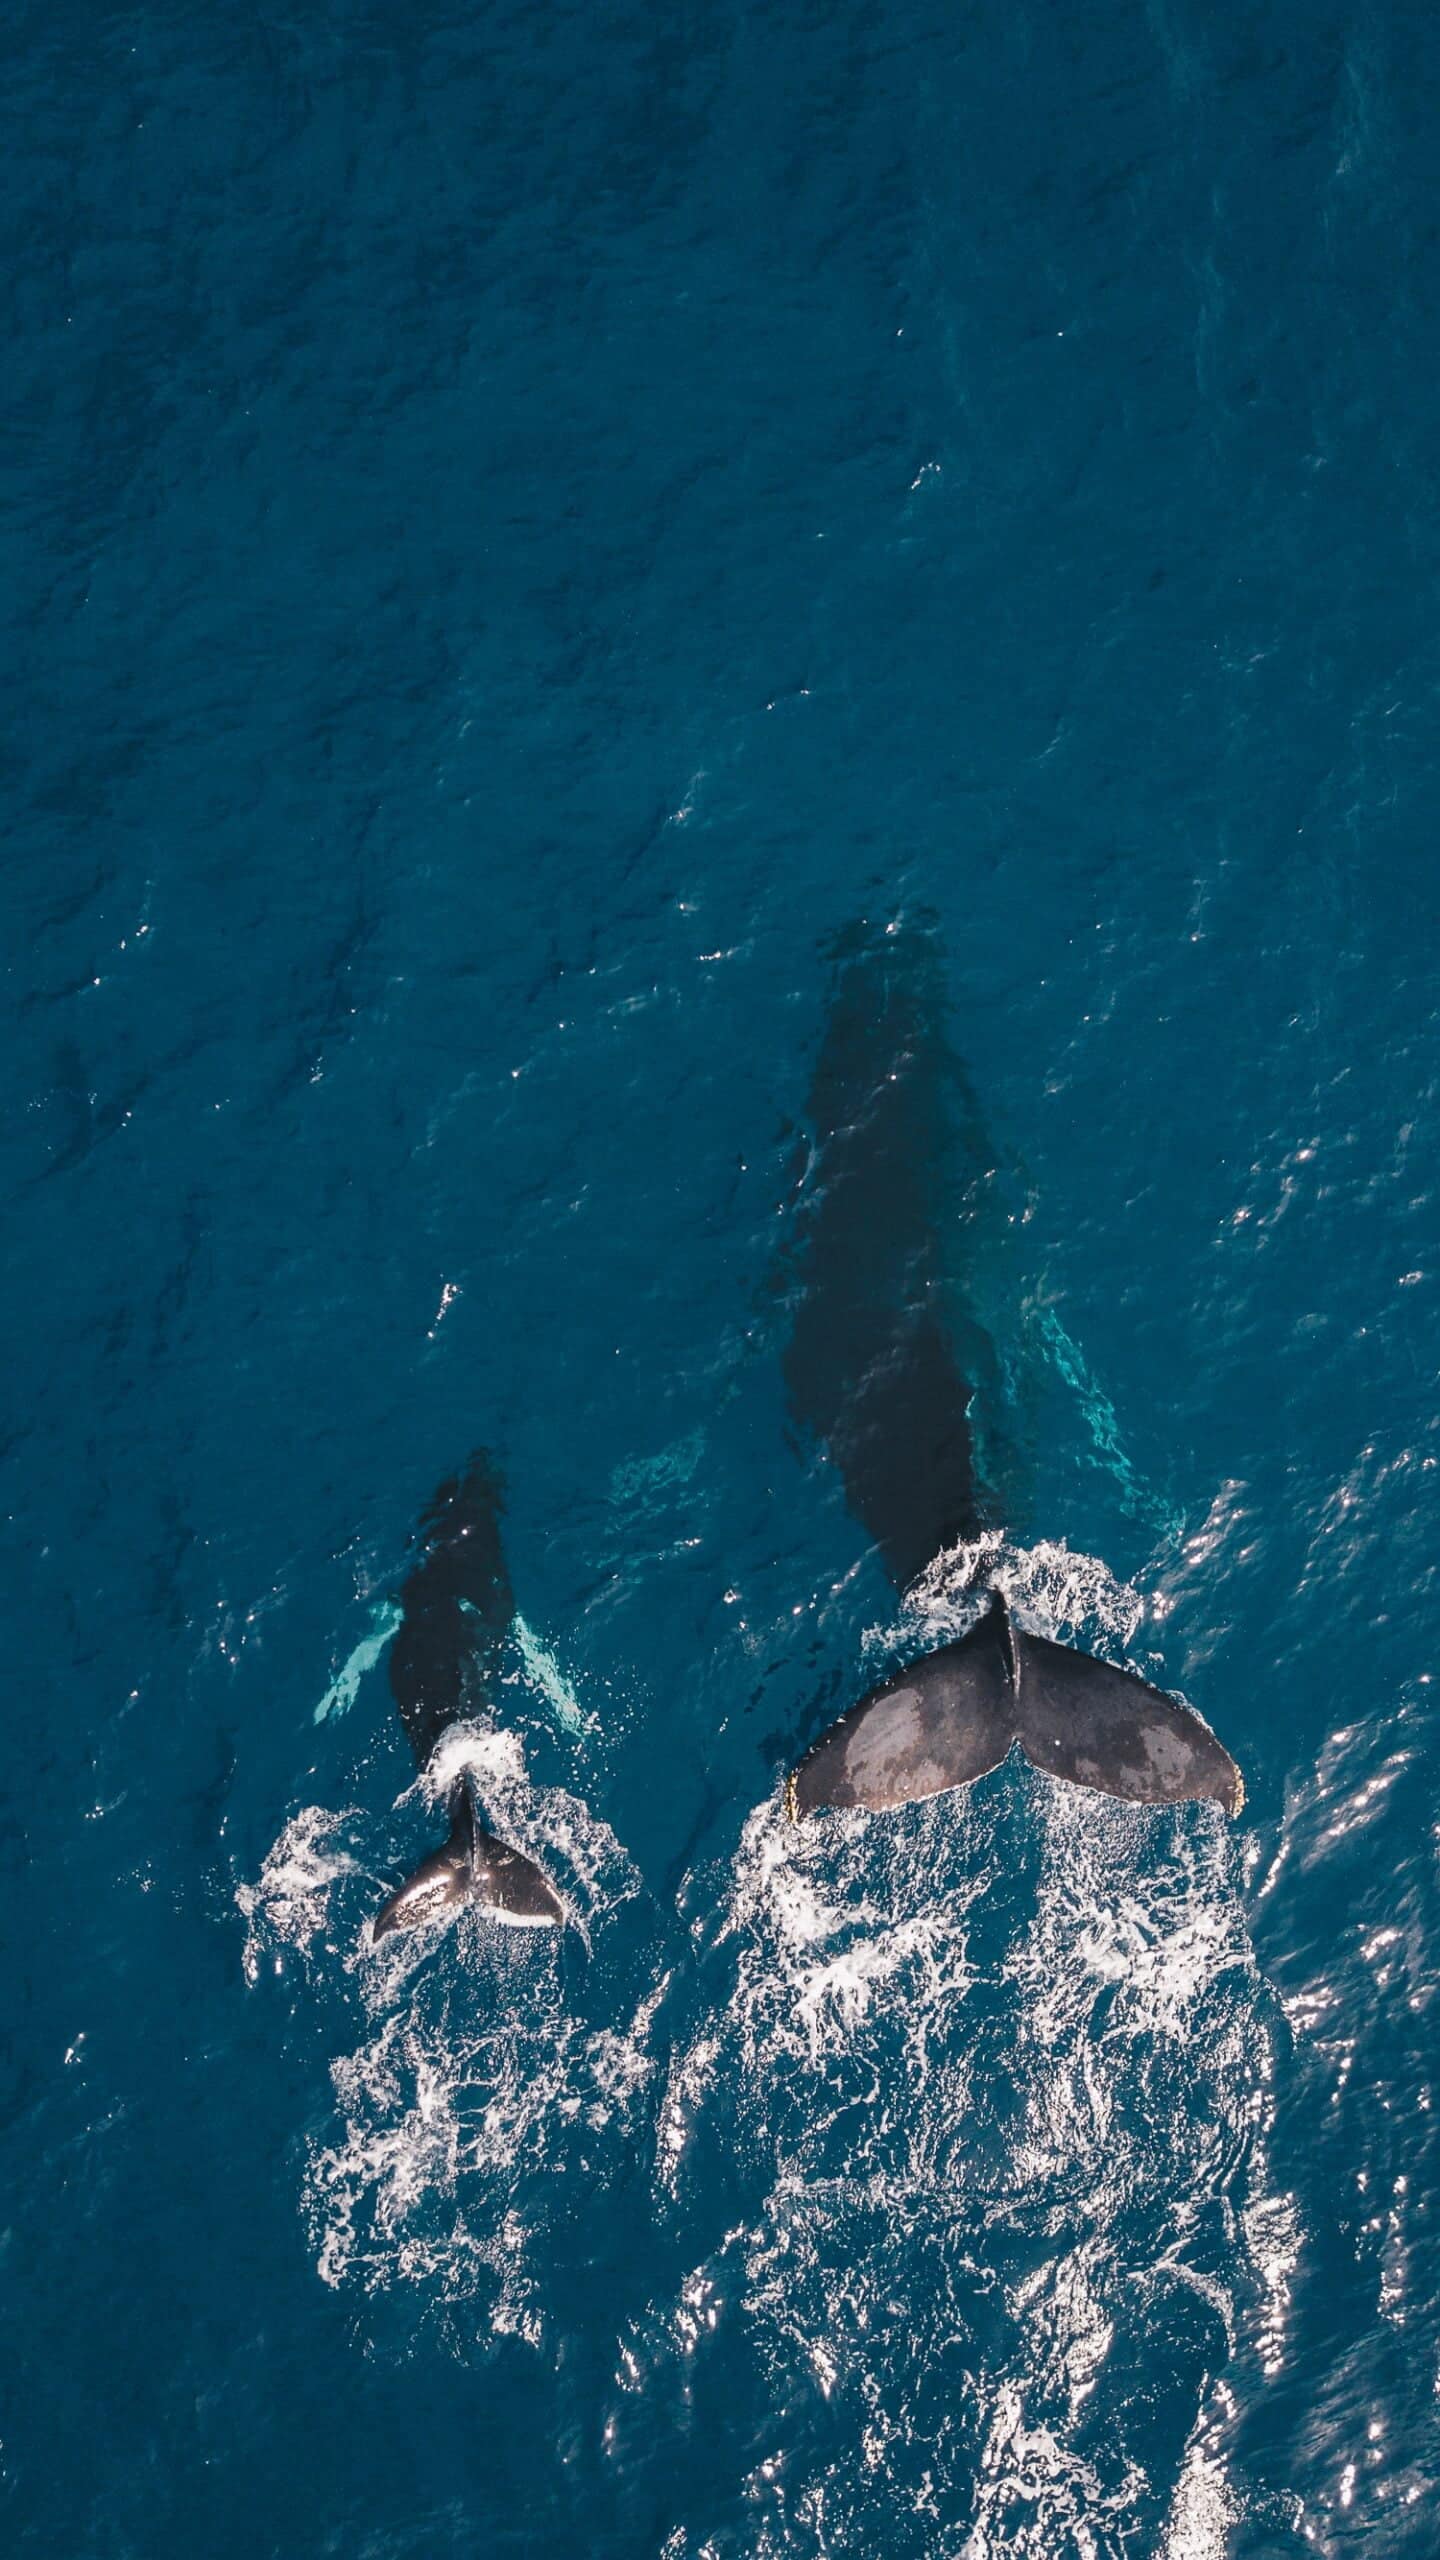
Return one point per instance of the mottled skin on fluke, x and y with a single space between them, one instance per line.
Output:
873 1374
456 1607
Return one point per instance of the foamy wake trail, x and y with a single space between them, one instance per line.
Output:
999 2065
289 1905
478 2105
472 2123
1052 1589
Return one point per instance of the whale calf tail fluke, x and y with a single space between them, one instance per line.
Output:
955 1714
472 1867
456 1609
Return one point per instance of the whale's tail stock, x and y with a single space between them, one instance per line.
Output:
957 1712
472 1867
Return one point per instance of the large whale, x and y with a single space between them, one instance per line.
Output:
874 1372
456 1607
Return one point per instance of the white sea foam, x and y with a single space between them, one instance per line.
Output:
991 2075
476 2081
478 2107
290 1901
1204 2508
999 2066
1053 1589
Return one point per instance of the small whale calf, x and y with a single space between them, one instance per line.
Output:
456 1609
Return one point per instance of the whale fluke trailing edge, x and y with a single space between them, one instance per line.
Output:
874 1375
956 1714
475 1867
456 1606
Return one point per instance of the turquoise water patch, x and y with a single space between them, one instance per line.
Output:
645 1480
340 1697
1103 1425
538 1664
543 1671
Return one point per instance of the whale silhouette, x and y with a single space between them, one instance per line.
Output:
873 1372
456 1607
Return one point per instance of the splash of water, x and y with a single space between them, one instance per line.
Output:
999 2066
289 1904
472 2123
1053 1589
479 2103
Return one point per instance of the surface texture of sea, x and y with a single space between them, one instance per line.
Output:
520 522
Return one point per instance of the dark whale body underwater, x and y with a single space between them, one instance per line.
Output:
873 1371
457 1606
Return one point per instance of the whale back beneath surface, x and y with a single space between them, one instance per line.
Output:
456 1607
954 1715
911 1488
870 1367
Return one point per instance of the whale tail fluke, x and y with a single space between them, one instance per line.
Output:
472 1867
955 1714
1098 1726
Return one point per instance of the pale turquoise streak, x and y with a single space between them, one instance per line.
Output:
538 1662
648 1479
545 1674
340 1696
1103 1424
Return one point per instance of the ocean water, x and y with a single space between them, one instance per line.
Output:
520 524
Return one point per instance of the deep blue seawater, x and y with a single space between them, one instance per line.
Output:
518 524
